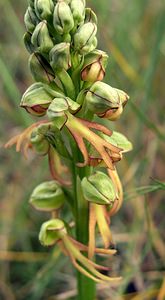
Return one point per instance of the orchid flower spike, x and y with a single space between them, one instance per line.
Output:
82 151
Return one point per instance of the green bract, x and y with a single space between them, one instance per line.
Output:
52 231
98 188
41 38
36 99
47 196
60 57
62 18
40 69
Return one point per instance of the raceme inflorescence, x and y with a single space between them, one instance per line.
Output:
71 101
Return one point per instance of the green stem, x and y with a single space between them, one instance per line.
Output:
86 287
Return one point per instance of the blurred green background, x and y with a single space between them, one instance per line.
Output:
132 32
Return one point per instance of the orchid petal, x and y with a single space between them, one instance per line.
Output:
103 225
56 167
92 225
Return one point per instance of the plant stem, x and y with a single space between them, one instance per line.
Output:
86 287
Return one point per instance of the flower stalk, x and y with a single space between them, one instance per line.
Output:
82 153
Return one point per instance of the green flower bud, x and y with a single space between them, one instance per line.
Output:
98 188
78 10
90 16
47 196
58 109
94 66
27 41
30 19
84 37
52 231
41 38
36 99
105 101
60 57
39 142
40 69
119 140
62 18
89 48
44 9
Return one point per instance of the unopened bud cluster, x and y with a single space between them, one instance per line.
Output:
61 38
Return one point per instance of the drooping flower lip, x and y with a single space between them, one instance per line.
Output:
106 101
22 140
81 129
28 140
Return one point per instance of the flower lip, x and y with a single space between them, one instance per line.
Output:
36 110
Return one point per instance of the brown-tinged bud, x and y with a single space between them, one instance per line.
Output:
37 99
94 66
105 101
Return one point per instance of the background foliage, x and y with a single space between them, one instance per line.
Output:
133 33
